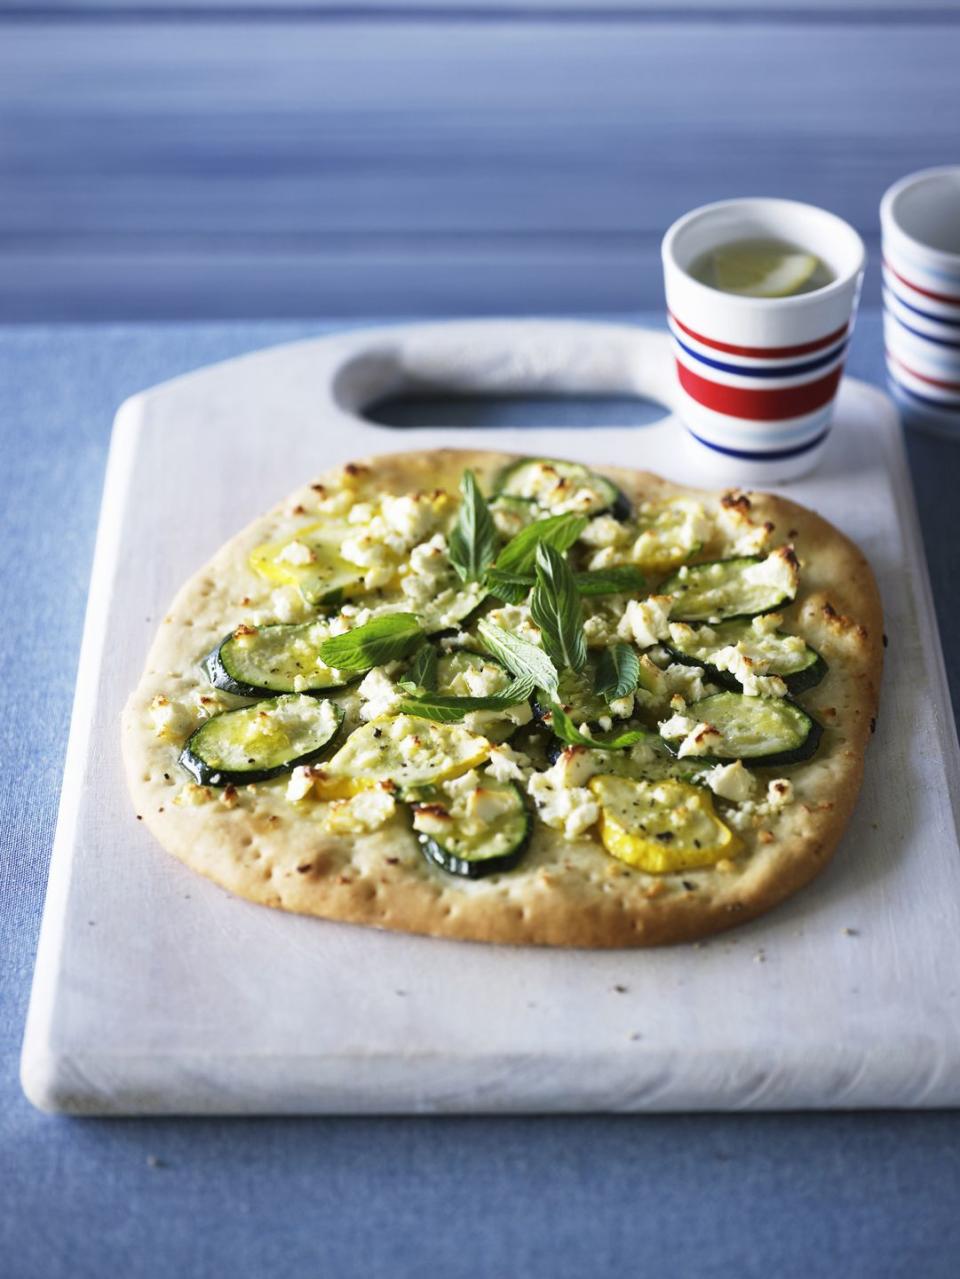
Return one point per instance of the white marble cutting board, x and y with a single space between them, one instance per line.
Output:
156 992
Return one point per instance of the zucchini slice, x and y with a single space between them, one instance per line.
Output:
724 589
258 742
761 730
407 750
563 486
661 826
798 665
312 562
282 658
512 514
482 831
669 537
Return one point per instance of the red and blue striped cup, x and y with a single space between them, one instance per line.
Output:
758 376
920 220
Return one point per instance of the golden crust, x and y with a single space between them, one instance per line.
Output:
565 893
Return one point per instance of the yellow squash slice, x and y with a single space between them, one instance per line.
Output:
661 826
311 561
403 749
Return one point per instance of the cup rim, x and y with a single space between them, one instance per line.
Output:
796 301
891 226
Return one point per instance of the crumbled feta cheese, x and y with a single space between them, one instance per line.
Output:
573 811
380 695
620 708
685 680
646 621
507 765
300 784
190 795
574 766
604 531
366 811
486 805
411 517
360 513
597 631
170 720
748 670
730 781
698 738
606 557
516 619
296 553
779 793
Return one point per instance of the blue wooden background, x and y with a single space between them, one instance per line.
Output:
178 159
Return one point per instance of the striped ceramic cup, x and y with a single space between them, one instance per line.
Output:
758 376
920 220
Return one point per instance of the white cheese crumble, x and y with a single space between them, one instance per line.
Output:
730 781
366 811
170 720
296 553
379 693
646 621
507 765
748 671
604 531
562 799
698 738
300 784
516 619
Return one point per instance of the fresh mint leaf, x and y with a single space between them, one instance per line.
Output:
421 674
564 728
384 639
449 710
519 555
519 656
510 587
555 607
473 540
617 672
623 579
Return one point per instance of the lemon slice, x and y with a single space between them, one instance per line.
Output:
762 273
661 826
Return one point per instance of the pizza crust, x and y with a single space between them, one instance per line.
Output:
565 892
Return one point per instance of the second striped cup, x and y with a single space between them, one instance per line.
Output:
761 296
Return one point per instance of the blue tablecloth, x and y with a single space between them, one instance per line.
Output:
794 1195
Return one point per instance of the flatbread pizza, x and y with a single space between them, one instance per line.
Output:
512 700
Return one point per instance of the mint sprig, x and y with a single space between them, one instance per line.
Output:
522 659
555 607
621 579
449 710
383 639
618 671
473 539
421 674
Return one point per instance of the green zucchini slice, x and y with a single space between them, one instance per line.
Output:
482 831
798 665
258 742
758 730
312 562
723 589
282 658
563 486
